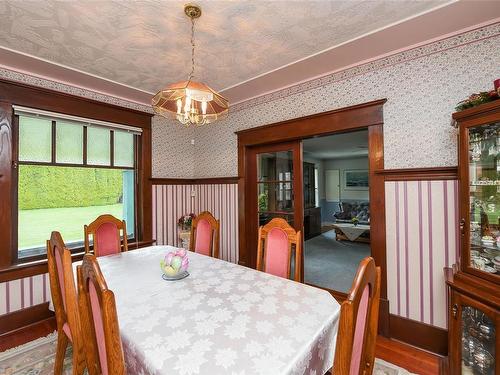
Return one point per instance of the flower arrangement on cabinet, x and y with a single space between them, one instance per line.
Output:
185 221
483 97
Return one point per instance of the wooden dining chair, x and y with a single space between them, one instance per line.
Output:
205 235
105 232
277 242
103 346
357 333
65 301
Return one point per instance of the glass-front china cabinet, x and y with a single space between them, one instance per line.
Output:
474 282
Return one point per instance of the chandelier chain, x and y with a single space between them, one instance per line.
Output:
191 74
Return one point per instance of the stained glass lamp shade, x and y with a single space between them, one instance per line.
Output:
190 102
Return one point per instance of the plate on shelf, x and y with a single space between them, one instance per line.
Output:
491 251
489 269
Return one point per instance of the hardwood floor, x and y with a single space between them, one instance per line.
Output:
408 357
412 359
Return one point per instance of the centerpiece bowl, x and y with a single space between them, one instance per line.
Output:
175 265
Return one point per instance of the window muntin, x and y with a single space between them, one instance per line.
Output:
60 189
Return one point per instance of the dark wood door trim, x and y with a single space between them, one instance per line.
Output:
363 116
345 119
419 174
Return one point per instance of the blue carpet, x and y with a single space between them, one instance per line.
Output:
332 264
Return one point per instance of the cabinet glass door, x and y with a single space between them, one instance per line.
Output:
477 342
484 198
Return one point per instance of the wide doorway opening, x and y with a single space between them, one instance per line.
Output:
336 190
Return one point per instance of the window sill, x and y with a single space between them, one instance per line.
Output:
38 267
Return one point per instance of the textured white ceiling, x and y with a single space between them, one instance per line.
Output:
351 144
145 44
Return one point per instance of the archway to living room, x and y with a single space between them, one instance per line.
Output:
281 144
336 208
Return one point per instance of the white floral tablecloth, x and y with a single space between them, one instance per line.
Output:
222 319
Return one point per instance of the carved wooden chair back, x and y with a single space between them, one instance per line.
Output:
355 349
65 301
205 235
105 232
103 344
277 242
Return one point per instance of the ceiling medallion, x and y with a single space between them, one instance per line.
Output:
190 102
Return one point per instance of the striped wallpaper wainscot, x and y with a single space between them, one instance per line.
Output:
422 239
170 202
22 293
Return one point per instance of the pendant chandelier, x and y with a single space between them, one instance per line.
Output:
190 102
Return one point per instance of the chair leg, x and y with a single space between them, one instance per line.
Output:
79 361
78 365
62 344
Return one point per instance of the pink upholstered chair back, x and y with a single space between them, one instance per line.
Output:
355 349
99 320
64 295
105 232
277 241
205 235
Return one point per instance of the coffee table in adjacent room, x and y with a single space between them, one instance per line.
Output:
351 232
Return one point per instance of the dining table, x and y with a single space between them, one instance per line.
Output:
223 318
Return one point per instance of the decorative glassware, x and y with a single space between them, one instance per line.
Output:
484 184
478 342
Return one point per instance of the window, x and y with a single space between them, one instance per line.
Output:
69 172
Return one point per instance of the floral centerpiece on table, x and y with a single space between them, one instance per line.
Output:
175 262
185 221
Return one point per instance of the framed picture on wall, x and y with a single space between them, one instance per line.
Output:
356 179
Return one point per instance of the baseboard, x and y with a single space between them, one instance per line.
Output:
24 317
421 335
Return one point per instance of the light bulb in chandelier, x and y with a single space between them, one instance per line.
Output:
179 106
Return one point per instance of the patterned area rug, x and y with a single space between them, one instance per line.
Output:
37 358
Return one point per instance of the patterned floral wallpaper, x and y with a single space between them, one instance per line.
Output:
422 86
173 153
